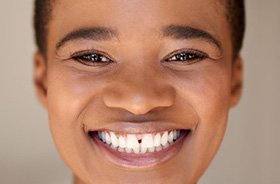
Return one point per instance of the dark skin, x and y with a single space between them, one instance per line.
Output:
138 74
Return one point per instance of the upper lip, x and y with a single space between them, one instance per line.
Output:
141 128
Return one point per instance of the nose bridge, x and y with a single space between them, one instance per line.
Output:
138 91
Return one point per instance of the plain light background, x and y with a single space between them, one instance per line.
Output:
250 153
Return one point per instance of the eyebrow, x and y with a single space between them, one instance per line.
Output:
187 32
94 33
107 33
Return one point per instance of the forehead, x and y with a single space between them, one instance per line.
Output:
139 13
141 17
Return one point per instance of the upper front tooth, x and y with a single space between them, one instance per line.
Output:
114 139
132 141
122 142
164 138
157 140
147 141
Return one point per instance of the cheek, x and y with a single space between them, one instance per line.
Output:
208 92
213 98
69 94
212 102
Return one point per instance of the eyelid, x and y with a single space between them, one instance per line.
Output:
191 51
90 51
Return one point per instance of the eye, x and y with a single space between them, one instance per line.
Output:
91 58
187 57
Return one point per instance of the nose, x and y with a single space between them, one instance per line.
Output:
138 95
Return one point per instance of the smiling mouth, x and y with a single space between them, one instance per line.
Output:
139 150
138 143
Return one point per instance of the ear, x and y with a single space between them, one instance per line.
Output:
236 81
40 77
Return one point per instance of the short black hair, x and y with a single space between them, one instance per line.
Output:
235 15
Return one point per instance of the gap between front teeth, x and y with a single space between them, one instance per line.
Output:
131 143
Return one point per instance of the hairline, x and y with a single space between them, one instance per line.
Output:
42 48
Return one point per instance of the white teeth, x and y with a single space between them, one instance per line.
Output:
159 148
113 147
157 140
108 138
136 150
152 149
122 142
121 149
147 141
143 149
166 145
114 139
128 150
102 136
130 143
170 137
174 134
164 138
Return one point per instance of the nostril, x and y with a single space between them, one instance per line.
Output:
138 105
139 99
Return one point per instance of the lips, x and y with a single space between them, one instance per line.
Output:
139 150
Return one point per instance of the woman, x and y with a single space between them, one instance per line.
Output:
138 91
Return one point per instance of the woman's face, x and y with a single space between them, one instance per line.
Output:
138 91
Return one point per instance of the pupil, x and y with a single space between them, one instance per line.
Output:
93 57
184 56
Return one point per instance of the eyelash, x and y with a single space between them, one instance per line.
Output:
96 58
186 56
91 58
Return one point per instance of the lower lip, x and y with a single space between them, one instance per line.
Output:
133 160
